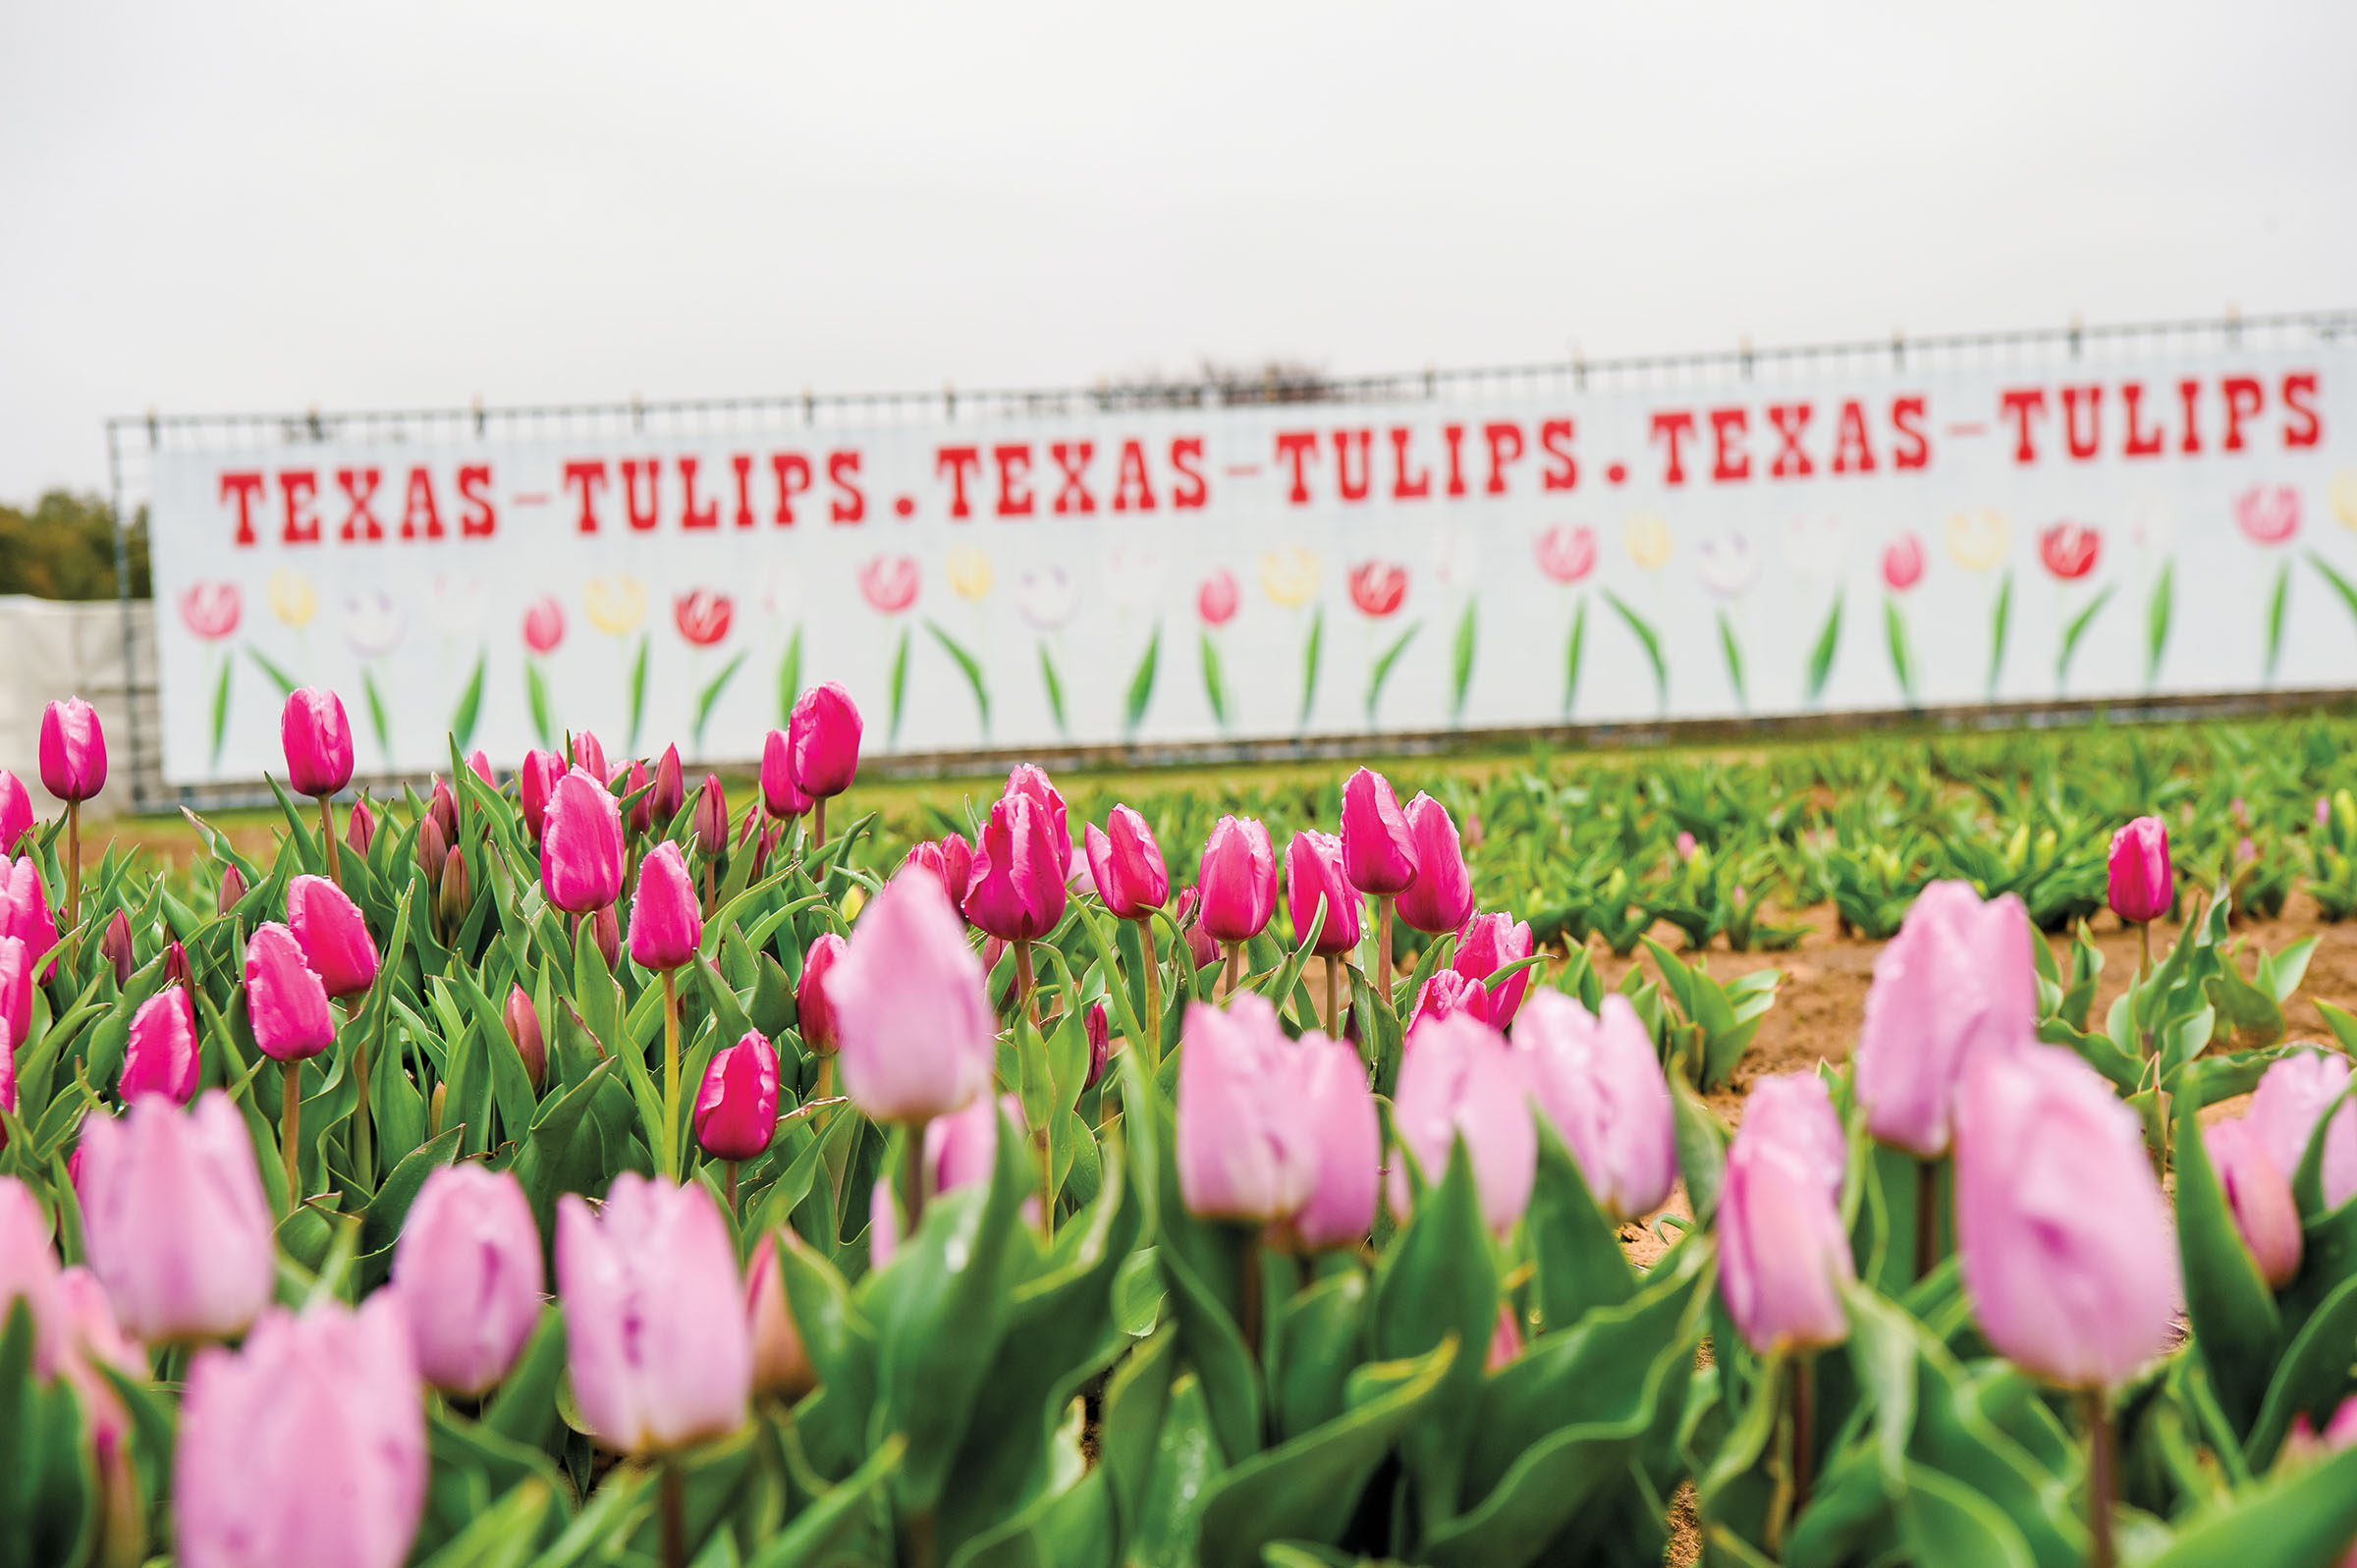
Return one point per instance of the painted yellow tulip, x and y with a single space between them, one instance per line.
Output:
292 599
969 575
1289 577
2344 497
615 605
1647 540
1978 540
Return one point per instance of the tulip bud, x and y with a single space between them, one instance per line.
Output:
1313 869
160 1055
581 845
359 827
1441 896
1784 1257
2061 1230
433 1110
2246 853
781 797
176 965
73 750
1200 948
2258 1192
524 1033
782 1368
1379 855
822 737
605 931
334 937
1506 1342
433 850
113 945
452 896
443 806
173 1218
810 1006
24 908
1686 845
478 763
284 1001
1487 945
1238 879
632 781
233 887
1126 865
666 921
1448 994
312 1408
737 1107
16 966
670 794
914 1024
2142 886
2293 1096
1099 1029
1033 784
317 740
959 1150
1599 1082
654 1318
16 812
588 755
712 816
535 781
1016 889
1460 1079
468 1267
1958 979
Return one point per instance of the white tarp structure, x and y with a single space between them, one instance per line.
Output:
50 650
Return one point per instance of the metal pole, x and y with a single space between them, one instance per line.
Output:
130 707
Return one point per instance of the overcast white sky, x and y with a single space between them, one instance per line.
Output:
255 205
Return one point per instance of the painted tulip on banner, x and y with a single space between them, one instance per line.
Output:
1127 865
1460 1079
1491 943
159 1056
737 1107
284 1000
174 1220
317 740
823 740
915 1028
1016 889
2142 886
1313 867
1237 881
666 921
581 845
1379 852
781 797
73 750
1599 1080
468 1268
1442 896
334 938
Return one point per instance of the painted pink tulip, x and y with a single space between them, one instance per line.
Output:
284 1001
1379 852
1796 1110
1126 865
305 1445
1313 871
1237 881
950 859
1957 980
543 625
2293 1097
73 750
670 793
1487 945
16 812
2065 1238
334 939
359 827
16 966
160 1057
174 1222
712 816
1902 563
781 797
535 781
1784 1257
589 754
24 908
1460 1079
1447 993
522 1022
737 1107
1016 889
581 845
666 921
1244 1151
2142 887
823 736
1332 1099
317 740
782 1367
1441 898
810 1006
468 1267
1599 1080
2258 1193
654 1317
913 1018
2268 514
1218 599
1034 785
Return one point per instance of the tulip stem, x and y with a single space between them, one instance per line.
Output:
327 835
2102 1479
912 1178
363 1150
819 825
729 1182
74 880
1235 967
1249 1289
674 1517
1927 1216
1383 948
2144 946
1029 1055
1804 1441
1334 1013
1153 1018
290 1124
671 1074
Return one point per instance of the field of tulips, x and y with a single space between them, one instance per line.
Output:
571 1167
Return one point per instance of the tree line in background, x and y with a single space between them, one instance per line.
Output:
64 548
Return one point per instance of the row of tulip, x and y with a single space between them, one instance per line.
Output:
1022 1204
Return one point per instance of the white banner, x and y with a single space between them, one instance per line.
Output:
1267 571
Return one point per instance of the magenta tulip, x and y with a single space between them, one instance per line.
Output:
1313 869
913 1017
8 1075
654 1320
174 1220
535 781
1016 889
522 1022
666 921
1379 852
628 782
781 797
1442 896
1126 865
588 755
16 966
1447 993
443 807
1238 880
1200 948
815 1013
334 939
1784 1257
1795 1109
305 1445
669 797
1099 1029
2063 1235
712 816
782 1367
468 1267
950 859
284 1001
317 740
2258 1193
114 945
1244 1151
822 735
1487 945
16 812
737 1107
359 827
2142 886
160 1057
581 845
1599 1082
604 932
1957 980
478 763
24 911
2293 1097
1460 1079
73 750
1033 784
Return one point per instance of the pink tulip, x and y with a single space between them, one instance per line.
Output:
93 1339
950 859
581 845
114 945
1446 995
467 1266
2142 887
1331 1100
174 1222
1200 948
823 736
478 763
535 781
1016 889
8 1075
522 1022
1442 896
16 812
712 816
2259 1194
1379 852
1505 1341
588 755
781 797
1599 1082
284 1001
632 781
1099 1029
1244 1151
305 1445
2293 1096
1033 784
1487 945
16 966
810 1004
1784 1257
1460 1079
359 827
161 1057
670 794
2061 1230
334 939
1313 869
232 889
1957 980
960 1150
737 1109
176 965
28 1271
1238 880
913 1018
1126 864
24 908
782 1367
317 739
654 1319
73 750
1796 1110
666 921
